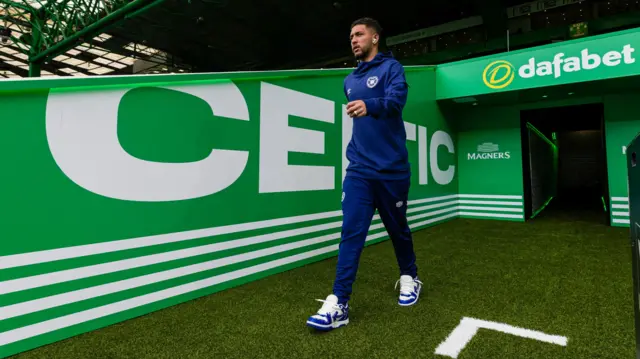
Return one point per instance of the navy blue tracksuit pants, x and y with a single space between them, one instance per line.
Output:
361 197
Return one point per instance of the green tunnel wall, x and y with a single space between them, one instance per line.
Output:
622 124
502 178
489 160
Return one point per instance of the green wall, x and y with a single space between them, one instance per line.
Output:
490 161
123 197
622 116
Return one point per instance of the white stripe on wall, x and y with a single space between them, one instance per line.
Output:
431 214
432 199
53 301
23 259
44 256
42 280
488 196
495 215
494 203
36 305
47 326
620 206
433 220
495 209
432 206
15 310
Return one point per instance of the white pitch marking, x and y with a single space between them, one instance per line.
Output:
468 327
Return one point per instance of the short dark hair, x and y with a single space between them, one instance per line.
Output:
368 22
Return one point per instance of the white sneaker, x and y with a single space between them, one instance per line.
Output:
409 290
330 316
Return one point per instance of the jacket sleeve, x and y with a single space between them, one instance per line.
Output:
395 95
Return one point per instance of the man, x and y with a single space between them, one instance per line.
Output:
378 175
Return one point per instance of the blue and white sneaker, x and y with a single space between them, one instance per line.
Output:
409 290
330 316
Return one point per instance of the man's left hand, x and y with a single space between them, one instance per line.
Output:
356 109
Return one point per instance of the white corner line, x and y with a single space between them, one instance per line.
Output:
468 327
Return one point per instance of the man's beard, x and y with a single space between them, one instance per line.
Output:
363 55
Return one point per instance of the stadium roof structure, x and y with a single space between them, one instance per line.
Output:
118 37
65 36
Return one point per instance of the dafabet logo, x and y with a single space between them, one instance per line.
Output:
501 73
501 68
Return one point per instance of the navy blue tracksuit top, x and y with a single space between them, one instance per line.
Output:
377 149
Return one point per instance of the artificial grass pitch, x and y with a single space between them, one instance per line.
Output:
562 278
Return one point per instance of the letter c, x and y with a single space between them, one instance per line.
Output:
82 135
441 138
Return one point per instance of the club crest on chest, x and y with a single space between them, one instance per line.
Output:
372 82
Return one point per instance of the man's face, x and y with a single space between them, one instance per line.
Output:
361 41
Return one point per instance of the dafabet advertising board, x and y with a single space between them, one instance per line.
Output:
589 59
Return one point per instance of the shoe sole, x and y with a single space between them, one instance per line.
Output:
328 327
